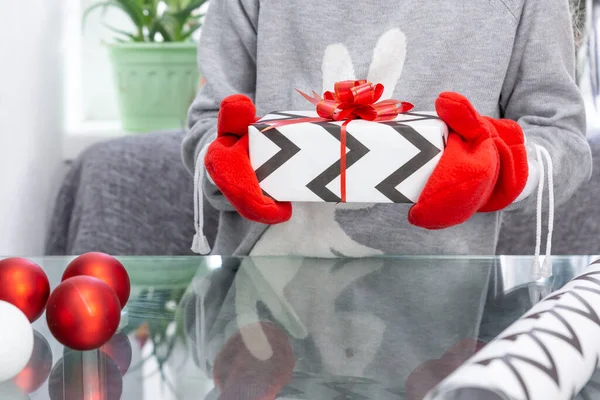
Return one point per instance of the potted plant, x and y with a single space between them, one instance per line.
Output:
154 64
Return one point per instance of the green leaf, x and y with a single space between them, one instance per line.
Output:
134 10
174 26
129 7
189 9
172 4
124 33
178 23
190 31
159 27
194 4
182 24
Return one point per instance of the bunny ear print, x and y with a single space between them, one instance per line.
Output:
388 61
337 66
386 66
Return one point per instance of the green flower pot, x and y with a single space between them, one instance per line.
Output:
156 83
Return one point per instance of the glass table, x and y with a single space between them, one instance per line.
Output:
290 328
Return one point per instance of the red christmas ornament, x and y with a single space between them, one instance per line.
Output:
37 370
79 376
104 267
83 313
25 285
119 350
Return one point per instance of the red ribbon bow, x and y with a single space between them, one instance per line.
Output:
350 100
357 100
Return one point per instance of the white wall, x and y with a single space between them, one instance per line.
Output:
30 121
98 91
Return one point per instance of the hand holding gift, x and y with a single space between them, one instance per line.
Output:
356 148
483 168
228 164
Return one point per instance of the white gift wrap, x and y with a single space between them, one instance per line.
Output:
387 162
550 353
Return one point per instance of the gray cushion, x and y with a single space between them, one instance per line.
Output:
128 196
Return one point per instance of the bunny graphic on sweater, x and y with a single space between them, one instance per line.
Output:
386 68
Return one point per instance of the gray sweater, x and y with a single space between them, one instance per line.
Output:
511 58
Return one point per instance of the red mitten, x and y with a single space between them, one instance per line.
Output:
483 168
227 162
252 368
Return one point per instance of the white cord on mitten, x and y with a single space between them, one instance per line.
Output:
200 243
543 270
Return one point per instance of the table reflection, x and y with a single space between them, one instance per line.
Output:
210 328
89 375
368 325
37 370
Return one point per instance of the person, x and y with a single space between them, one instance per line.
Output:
499 73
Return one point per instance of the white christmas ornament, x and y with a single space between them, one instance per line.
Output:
16 341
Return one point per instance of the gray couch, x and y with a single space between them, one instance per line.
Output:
132 196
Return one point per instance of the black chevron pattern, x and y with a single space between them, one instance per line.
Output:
427 152
357 151
288 150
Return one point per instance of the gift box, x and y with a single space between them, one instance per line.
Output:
299 157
